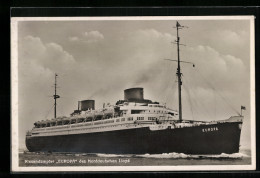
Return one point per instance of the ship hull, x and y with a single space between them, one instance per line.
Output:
204 139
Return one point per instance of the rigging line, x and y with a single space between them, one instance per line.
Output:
49 111
199 104
173 75
163 95
169 76
61 111
168 86
218 92
173 92
171 85
184 86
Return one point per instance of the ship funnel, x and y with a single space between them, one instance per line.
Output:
87 104
134 94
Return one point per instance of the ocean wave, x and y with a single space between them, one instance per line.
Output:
187 156
234 155
179 156
112 155
166 155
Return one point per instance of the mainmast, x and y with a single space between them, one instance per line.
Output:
55 96
179 70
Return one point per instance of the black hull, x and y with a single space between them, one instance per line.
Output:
204 139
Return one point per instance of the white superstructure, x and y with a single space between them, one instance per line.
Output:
133 115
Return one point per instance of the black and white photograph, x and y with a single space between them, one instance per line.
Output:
133 93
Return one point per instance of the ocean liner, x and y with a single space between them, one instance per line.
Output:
134 125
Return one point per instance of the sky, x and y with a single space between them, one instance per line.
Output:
99 59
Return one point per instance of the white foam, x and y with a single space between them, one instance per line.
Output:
166 155
224 155
112 155
186 156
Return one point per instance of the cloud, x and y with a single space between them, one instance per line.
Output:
93 35
227 42
152 34
214 65
88 37
73 38
149 39
50 55
37 64
230 37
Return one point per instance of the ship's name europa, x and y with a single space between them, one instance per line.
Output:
210 129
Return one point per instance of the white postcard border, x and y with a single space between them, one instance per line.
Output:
14 100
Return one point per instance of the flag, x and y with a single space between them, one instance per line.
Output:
177 24
243 108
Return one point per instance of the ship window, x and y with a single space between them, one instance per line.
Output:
108 116
123 119
118 120
98 117
136 111
80 120
97 123
73 121
140 118
66 122
89 119
172 114
130 118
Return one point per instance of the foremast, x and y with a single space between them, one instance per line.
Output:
55 96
